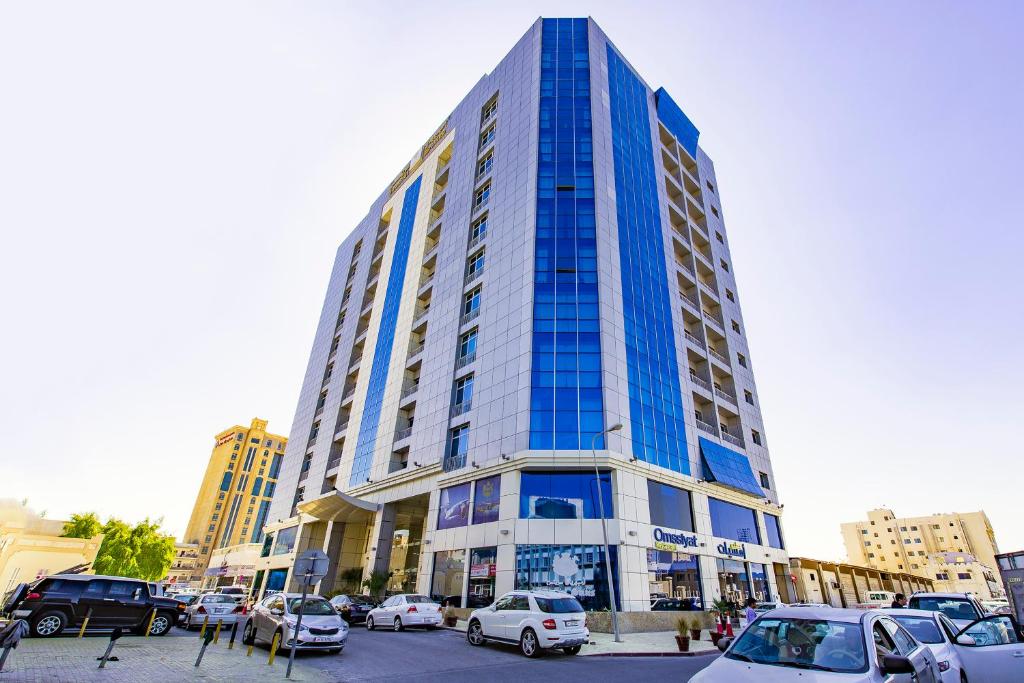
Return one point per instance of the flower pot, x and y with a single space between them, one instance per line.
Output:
715 637
695 634
684 643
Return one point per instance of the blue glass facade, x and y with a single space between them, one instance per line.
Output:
727 467
655 400
575 569
563 495
774 530
677 122
670 506
732 521
566 406
385 339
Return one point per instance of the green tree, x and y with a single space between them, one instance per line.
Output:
85 525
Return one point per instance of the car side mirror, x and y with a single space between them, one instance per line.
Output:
724 643
965 639
277 612
894 664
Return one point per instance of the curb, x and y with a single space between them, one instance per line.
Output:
703 653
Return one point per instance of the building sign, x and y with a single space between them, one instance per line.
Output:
670 540
732 549
483 570
453 509
224 439
434 139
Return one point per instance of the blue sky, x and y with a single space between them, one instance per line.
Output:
174 181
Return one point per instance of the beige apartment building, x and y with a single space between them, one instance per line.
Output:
184 572
955 549
847 585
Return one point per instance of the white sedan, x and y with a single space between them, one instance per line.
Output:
812 645
403 610
991 650
935 630
212 608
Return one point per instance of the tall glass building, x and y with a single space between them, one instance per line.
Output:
551 263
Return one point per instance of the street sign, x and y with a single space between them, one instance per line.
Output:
310 567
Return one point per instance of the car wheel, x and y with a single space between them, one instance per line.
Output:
475 633
162 623
369 623
49 624
574 650
248 634
398 624
528 643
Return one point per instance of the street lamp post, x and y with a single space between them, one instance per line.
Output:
604 529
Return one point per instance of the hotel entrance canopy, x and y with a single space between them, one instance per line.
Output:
336 506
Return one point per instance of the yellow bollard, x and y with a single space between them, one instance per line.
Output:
206 621
248 653
216 631
273 648
81 631
149 626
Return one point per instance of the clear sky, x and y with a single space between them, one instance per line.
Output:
175 178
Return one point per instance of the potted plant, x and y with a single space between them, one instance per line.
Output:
722 609
683 634
450 618
376 582
695 628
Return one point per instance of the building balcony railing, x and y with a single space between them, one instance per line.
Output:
333 462
319 412
480 203
420 312
717 356
340 431
410 388
426 280
460 408
723 394
709 428
693 339
690 300
686 266
403 434
430 250
463 361
474 273
713 318
734 440
466 317
454 462
416 349
709 288
348 393
702 383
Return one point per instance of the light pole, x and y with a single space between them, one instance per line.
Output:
604 529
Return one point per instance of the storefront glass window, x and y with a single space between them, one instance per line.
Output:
275 580
575 569
676 575
759 582
268 542
285 540
670 507
483 563
733 521
453 510
771 525
486 497
449 571
563 495
733 581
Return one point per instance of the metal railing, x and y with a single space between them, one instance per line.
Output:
340 430
420 312
474 273
333 462
416 349
426 280
410 388
692 338
713 318
463 361
402 434
702 383
348 393
690 300
460 408
722 393
717 356
466 317
685 266
477 240
454 462
709 428
734 440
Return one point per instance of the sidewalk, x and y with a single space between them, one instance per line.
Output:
142 660
653 644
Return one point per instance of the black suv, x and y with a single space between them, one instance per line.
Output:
62 601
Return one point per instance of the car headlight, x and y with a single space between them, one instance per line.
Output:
944 665
291 626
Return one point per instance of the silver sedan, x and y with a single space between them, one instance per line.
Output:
214 607
322 628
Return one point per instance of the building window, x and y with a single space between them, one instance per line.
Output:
487 136
453 507
730 296
550 567
563 495
471 301
764 482
670 507
481 195
475 264
483 564
755 436
733 580
458 448
724 265
225 483
676 575
449 571
275 466
735 326
478 229
463 397
485 164
748 397
718 236
734 522
714 210
741 359
486 499
963 576
285 540
489 109
467 344
774 531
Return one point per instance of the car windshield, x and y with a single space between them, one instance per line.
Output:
361 599
559 605
954 608
923 628
314 607
219 599
417 599
803 644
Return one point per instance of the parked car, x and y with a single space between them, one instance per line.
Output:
991 650
809 644
232 590
61 601
675 604
472 601
322 628
961 608
406 609
533 620
227 609
935 630
768 606
358 607
818 605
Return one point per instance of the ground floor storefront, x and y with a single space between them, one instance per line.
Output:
469 538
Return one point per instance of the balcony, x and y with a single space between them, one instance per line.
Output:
454 462
461 408
709 428
693 339
690 300
473 274
426 281
734 440
463 361
349 392
477 240
709 287
420 312
713 318
340 434
687 267
416 349
430 250
333 462
466 317
719 357
702 383
409 389
403 434
480 203
725 395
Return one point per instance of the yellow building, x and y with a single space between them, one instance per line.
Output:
925 545
234 497
184 571
32 547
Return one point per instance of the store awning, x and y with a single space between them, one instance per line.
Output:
727 467
336 506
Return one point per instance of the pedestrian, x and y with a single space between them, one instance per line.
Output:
899 602
749 613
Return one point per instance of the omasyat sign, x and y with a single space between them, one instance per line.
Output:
671 540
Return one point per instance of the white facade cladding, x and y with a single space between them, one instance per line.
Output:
551 263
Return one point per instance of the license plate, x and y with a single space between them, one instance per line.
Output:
321 639
571 622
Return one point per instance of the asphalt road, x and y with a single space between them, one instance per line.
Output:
444 655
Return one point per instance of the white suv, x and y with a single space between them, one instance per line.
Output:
535 620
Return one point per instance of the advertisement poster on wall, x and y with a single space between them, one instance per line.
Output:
454 507
486 499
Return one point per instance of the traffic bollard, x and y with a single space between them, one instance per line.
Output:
273 648
110 646
234 631
216 632
88 614
149 626
202 631
207 637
